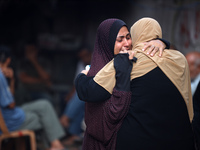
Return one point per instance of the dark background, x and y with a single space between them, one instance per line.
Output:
60 27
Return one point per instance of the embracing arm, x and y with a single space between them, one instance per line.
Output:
117 106
167 43
156 45
88 90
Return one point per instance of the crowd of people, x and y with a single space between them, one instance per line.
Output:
138 93
31 105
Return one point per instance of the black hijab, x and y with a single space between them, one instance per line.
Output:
104 45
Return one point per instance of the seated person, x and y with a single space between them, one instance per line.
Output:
34 74
34 115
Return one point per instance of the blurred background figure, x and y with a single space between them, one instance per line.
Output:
193 59
37 115
73 114
34 74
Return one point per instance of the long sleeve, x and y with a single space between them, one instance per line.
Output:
88 90
123 67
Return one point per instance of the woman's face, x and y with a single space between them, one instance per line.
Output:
123 40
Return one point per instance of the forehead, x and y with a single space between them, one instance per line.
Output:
123 31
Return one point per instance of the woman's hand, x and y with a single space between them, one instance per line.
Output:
87 68
12 105
8 72
131 53
123 65
154 46
85 72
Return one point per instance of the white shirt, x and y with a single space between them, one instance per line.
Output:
194 84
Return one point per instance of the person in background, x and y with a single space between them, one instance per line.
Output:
37 115
34 75
193 59
73 114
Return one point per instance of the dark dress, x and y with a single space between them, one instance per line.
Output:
196 119
156 120
104 117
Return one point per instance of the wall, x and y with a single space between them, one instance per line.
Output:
59 27
180 20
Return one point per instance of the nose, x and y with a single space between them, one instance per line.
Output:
125 42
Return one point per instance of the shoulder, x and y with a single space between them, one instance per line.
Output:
175 55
